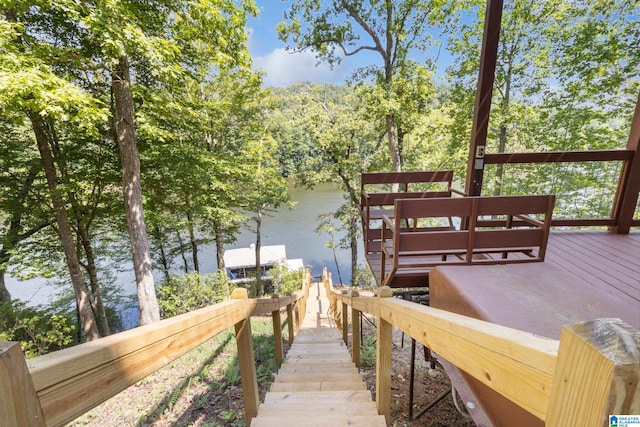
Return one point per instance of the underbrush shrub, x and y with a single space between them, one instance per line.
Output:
181 294
284 280
40 330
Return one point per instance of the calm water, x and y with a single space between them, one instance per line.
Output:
292 228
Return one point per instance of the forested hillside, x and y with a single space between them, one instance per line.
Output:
133 130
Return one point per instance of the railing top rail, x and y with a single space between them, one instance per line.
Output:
559 156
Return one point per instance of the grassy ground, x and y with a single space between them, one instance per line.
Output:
201 388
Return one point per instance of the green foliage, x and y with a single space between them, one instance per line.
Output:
181 294
40 330
368 352
363 278
284 280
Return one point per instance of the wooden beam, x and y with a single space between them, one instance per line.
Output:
345 320
484 92
384 345
597 374
626 199
559 157
246 361
516 364
19 403
66 380
355 332
277 332
290 321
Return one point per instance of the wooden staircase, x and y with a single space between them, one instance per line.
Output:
318 384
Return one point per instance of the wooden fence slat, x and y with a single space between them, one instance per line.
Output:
19 404
597 374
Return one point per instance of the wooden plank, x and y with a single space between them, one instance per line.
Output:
484 92
19 404
318 397
596 374
384 345
313 385
312 409
321 421
324 376
246 361
558 156
355 332
277 333
65 380
517 364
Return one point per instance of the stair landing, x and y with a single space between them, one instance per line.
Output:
318 384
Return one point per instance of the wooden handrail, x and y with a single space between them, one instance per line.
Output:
554 380
69 382
559 157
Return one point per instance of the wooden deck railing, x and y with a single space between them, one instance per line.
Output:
56 388
590 373
624 189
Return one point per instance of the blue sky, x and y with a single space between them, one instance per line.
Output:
280 67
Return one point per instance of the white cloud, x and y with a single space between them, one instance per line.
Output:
282 68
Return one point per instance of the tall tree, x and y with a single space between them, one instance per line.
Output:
45 99
390 29
341 146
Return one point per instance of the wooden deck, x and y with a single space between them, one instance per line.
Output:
318 384
605 260
586 275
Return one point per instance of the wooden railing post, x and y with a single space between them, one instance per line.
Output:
597 374
246 361
345 320
383 360
19 403
290 319
355 332
277 332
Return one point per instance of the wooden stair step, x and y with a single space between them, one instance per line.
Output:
319 397
300 378
322 409
315 367
318 359
319 386
321 421
315 373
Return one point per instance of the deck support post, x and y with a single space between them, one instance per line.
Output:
290 319
19 403
246 361
355 332
597 374
384 346
345 320
277 332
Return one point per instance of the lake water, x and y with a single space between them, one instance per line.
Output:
294 228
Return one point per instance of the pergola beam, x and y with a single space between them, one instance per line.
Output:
482 107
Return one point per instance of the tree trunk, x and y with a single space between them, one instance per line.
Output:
219 246
5 296
82 231
103 322
392 141
181 246
258 245
64 228
125 136
163 255
194 243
